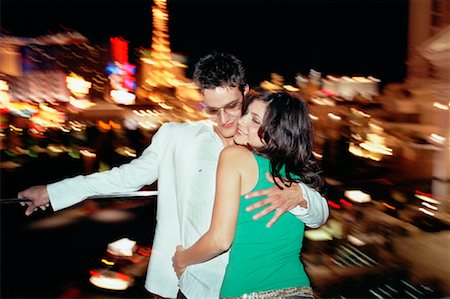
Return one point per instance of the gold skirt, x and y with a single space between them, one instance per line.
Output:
278 294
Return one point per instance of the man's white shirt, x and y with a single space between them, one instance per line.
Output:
183 157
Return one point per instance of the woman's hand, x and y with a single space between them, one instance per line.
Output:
176 261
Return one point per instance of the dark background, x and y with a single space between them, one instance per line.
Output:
340 37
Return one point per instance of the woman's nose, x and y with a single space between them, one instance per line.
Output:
241 121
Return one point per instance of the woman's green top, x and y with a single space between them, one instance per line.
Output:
262 258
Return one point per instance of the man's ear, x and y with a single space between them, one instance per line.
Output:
246 89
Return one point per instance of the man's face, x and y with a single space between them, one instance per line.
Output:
223 107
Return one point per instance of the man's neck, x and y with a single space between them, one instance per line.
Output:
226 141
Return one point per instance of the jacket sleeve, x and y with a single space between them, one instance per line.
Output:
317 211
128 177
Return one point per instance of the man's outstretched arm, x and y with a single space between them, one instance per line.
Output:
126 178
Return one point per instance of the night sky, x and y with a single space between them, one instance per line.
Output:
336 37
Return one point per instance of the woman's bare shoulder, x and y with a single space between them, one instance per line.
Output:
236 152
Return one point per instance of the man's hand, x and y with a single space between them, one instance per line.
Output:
176 261
277 199
38 196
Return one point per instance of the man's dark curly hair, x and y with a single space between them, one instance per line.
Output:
220 70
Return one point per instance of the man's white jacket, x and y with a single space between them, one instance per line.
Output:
183 157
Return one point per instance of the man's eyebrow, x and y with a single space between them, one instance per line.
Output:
231 103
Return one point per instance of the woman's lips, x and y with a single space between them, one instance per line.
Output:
239 132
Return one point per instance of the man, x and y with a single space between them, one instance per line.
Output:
183 158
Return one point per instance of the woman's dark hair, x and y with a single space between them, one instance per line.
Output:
220 70
287 132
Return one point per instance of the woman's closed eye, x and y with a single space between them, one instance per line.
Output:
256 121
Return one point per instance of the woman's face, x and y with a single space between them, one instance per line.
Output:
249 124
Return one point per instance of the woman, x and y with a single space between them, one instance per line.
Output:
264 262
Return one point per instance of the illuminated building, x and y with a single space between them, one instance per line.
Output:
351 87
426 19
162 73
347 88
437 52
35 68
120 74
421 104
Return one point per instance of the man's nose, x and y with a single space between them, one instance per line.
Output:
223 116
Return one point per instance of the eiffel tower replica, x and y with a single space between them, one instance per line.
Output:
162 73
